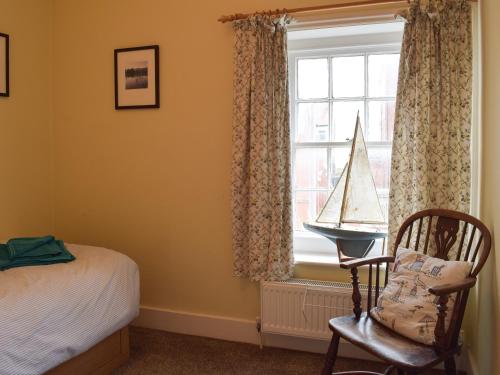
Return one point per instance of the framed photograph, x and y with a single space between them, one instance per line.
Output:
137 77
4 65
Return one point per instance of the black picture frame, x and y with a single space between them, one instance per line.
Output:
6 91
120 52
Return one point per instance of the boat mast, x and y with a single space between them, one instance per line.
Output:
348 177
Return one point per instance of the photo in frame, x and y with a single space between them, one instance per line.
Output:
137 77
4 64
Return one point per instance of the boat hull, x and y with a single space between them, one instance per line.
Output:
353 243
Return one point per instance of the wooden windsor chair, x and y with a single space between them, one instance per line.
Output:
455 233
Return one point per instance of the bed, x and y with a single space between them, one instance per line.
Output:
68 318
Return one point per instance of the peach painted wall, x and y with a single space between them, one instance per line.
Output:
26 143
154 184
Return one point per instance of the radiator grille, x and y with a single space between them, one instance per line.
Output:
302 308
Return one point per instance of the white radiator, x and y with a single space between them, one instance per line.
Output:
302 308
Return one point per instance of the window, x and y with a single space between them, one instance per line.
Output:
332 79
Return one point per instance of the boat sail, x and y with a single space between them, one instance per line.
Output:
354 198
352 217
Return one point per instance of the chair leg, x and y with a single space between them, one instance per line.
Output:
449 366
331 356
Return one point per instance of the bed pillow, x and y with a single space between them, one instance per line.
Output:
405 305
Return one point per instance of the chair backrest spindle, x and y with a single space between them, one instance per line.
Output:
461 246
469 245
418 233
476 251
369 290
428 234
387 269
409 235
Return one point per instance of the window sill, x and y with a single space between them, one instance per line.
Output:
320 260
310 248
316 259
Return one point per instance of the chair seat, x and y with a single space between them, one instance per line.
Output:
384 343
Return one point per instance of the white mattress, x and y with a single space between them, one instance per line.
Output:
49 314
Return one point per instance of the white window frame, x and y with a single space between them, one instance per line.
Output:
310 247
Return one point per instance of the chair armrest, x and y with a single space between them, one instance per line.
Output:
452 288
363 261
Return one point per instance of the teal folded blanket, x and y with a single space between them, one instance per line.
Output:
18 252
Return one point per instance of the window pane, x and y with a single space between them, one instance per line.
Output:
344 119
382 75
338 159
312 122
348 74
312 78
310 168
380 121
307 206
380 164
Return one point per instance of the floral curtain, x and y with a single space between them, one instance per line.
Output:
431 146
261 170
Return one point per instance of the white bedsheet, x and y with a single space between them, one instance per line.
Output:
49 314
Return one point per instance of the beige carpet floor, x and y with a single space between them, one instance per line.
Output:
159 352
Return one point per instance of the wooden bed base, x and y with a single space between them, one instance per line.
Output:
102 358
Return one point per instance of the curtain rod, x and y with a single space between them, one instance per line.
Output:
240 16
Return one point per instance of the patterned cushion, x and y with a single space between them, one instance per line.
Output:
405 305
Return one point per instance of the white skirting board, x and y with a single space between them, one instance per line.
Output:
216 327
242 330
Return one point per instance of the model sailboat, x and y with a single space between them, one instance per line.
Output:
352 216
